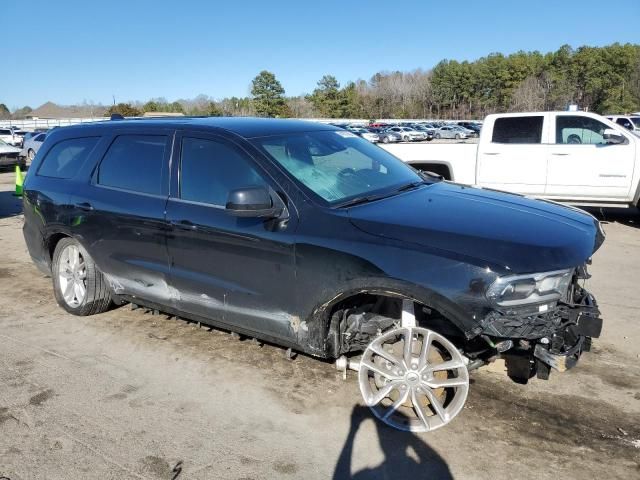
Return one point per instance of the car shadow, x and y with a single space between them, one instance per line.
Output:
624 216
10 205
405 454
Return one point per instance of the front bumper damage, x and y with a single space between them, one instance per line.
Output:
542 341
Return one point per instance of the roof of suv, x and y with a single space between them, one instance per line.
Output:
247 127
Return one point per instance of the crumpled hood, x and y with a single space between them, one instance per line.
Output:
508 231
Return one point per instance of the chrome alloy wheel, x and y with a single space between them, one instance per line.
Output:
413 379
72 276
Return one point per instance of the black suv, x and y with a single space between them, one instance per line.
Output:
307 236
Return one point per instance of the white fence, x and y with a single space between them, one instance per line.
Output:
32 124
35 123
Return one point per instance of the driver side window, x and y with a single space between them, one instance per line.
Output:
579 130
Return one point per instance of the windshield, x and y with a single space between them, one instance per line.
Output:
3 143
337 166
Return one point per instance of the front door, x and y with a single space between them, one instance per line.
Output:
239 271
515 158
582 164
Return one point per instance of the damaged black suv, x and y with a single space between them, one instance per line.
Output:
310 237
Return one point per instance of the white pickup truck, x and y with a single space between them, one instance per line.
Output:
575 157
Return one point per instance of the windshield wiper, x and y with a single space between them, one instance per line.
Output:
363 199
372 198
410 186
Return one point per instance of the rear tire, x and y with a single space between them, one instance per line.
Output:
31 155
79 287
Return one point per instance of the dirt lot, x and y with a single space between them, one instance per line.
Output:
133 395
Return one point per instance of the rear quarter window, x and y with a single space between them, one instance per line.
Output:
65 158
518 130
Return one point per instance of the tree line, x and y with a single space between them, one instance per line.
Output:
600 79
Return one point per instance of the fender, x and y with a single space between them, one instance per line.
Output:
317 333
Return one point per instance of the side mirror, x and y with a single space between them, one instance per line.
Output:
613 137
255 202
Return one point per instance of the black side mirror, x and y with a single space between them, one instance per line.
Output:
253 202
613 137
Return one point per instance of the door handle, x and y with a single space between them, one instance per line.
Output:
84 206
560 154
184 225
492 153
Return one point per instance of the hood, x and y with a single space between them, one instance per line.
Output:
506 231
8 149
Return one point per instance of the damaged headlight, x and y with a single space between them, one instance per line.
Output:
517 290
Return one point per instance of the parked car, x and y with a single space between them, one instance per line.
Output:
467 131
28 135
307 236
472 126
7 135
450 131
408 134
576 157
386 136
366 134
10 155
429 132
32 145
630 122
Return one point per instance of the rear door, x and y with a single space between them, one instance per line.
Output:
582 164
236 270
515 157
119 214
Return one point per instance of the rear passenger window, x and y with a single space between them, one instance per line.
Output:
210 169
134 162
518 130
66 157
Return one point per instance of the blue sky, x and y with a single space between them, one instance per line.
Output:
69 51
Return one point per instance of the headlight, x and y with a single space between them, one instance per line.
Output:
517 290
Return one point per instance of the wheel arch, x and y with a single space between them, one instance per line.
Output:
322 332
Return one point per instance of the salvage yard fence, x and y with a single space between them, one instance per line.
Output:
47 123
35 123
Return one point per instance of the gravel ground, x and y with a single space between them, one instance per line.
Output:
132 395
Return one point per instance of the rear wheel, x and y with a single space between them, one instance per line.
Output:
78 285
31 154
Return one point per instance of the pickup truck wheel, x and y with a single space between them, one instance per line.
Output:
413 379
78 285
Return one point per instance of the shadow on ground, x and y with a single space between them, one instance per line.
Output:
405 454
10 205
624 216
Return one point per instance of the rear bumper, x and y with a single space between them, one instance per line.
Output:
8 160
